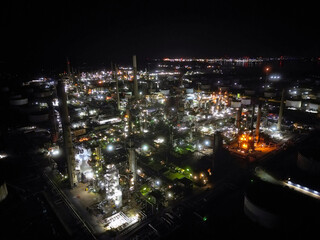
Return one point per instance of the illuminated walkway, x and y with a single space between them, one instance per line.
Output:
263 175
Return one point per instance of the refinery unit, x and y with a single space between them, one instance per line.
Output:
129 143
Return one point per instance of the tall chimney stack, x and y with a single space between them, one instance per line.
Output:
280 111
135 81
238 118
69 69
117 85
67 139
217 147
258 123
252 118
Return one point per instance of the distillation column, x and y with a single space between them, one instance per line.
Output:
135 81
67 139
281 111
117 86
258 123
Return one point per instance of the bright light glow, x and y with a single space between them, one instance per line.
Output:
159 140
303 189
113 189
89 175
55 152
110 148
120 220
273 128
145 147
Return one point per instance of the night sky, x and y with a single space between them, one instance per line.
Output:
40 35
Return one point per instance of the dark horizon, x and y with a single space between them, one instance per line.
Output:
42 35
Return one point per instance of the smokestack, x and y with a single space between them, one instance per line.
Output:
67 139
238 119
252 118
181 81
53 123
217 146
132 156
68 68
135 81
117 85
280 111
132 160
258 123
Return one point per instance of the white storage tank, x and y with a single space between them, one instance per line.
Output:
5 89
269 94
3 190
43 94
293 103
189 90
249 92
205 87
308 161
245 101
38 117
165 92
235 104
18 101
313 106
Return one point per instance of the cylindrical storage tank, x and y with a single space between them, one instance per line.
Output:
245 101
3 190
224 88
165 92
235 104
29 90
189 90
18 101
15 96
38 117
313 106
43 94
293 103
249 92
308 161
5 89
205 87
260 215
269 94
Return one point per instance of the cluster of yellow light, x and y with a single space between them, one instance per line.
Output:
83 139
220 95
202 177
244 139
